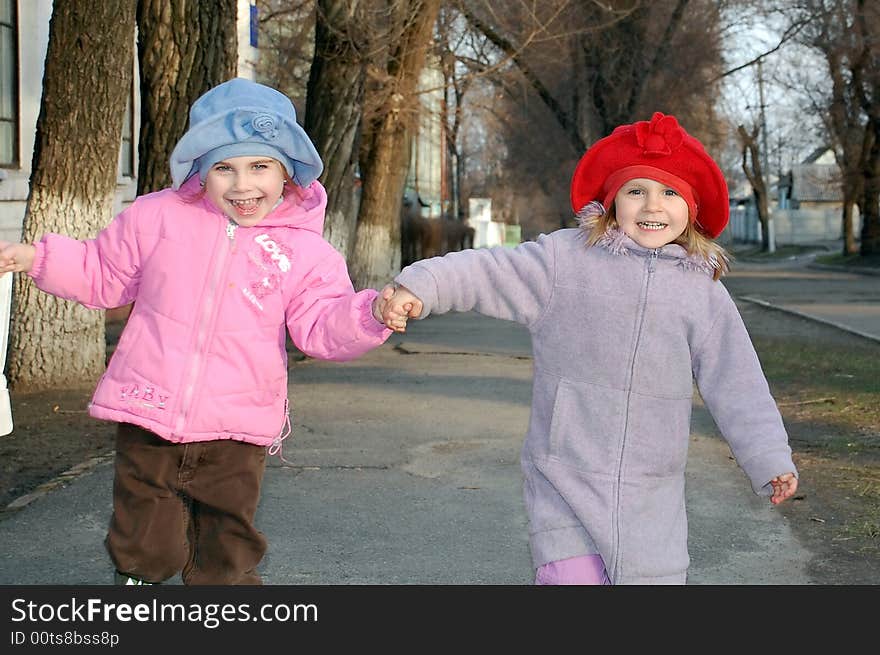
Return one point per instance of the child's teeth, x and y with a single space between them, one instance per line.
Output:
245 206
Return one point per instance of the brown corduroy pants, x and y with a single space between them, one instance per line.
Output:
186 508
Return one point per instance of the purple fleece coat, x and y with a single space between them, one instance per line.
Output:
619 335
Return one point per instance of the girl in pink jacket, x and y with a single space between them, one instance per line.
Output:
219 265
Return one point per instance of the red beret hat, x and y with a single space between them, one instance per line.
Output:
661 150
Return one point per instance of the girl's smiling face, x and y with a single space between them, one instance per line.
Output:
651 213
245 188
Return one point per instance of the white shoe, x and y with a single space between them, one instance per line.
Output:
123 579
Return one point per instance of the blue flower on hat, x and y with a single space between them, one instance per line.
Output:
265 125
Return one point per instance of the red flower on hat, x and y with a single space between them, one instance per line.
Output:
660 136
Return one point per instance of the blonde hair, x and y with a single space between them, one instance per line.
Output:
692 240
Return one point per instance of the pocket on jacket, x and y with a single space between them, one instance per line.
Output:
586 426
657 435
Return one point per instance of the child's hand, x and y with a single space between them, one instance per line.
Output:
400 304
16 257
405 302
784 487
396 305
380 304
394 320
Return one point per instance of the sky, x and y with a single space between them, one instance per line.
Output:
793 129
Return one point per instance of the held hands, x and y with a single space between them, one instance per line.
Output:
394 306
784 487
16 257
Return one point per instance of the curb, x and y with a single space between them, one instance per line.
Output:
858 270
839 326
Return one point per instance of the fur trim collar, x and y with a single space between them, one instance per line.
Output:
617 242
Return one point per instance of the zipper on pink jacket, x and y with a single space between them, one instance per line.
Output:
204 322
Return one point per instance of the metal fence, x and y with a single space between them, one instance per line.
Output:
790 226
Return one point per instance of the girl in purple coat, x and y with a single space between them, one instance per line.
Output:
220 268
625 314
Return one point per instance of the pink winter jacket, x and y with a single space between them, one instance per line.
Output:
203 354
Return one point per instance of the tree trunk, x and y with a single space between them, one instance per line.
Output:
751 166
761 205
870 237
185 48
57 343
850 198
334 108
453 97
376 257
849 237
870 206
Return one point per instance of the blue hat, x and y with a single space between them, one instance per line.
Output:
242 118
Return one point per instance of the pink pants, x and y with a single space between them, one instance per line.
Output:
580 570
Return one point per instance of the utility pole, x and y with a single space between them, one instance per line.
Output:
771 236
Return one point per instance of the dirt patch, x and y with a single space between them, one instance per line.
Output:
52 433
825 381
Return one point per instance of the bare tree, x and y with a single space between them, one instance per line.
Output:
598 65
287 43
359 71
457 80
845 33
754 172
568 72
851 141
88 75
384 155
185 47
316 52
866 79
335 109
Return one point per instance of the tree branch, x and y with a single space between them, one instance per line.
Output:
543 92
789 34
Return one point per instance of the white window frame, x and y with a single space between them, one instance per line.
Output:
126 168
11 30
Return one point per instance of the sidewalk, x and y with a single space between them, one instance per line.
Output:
406 471
846 299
